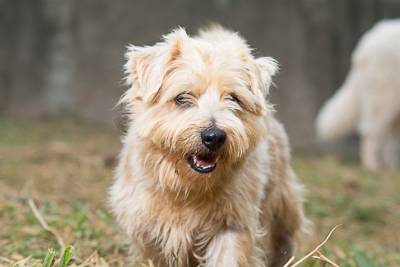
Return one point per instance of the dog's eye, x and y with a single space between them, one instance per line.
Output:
183 100
234 98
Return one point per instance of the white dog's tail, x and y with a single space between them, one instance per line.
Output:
339 116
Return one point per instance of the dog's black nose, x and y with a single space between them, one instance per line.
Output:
213 138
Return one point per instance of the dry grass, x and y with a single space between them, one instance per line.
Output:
66 167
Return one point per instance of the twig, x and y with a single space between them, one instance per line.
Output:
87 261
23 261
289 262
313 251
6 260
322 257
44 224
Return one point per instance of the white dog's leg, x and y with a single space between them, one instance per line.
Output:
370 152
391 151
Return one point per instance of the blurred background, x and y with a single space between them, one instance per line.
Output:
65 57
61 75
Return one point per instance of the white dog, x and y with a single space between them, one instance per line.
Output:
369 100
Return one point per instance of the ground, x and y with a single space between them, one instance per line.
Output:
63 168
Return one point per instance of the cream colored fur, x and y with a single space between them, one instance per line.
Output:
369 100
248 211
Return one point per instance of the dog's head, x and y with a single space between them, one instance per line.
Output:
200 101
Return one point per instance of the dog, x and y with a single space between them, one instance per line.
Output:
204 176
369 100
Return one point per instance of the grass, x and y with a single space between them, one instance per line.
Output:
66 166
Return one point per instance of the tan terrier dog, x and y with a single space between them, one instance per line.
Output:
204 176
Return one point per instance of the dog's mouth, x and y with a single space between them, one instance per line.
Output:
203 163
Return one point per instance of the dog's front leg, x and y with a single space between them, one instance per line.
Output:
229 249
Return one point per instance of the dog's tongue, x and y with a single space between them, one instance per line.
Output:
204 162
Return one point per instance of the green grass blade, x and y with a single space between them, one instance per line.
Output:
48 260
67 256
362 259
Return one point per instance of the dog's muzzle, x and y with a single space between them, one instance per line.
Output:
205 162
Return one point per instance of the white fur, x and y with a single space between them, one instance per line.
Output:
369 100
223 250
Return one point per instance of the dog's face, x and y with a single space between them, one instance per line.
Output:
199 101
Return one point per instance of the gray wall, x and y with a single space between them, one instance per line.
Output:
61 57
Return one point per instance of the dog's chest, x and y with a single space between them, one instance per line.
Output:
186 230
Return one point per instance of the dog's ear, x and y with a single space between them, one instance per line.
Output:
267 67
146 67
261 79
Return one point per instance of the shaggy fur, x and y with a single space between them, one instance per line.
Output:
369 100
248 211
